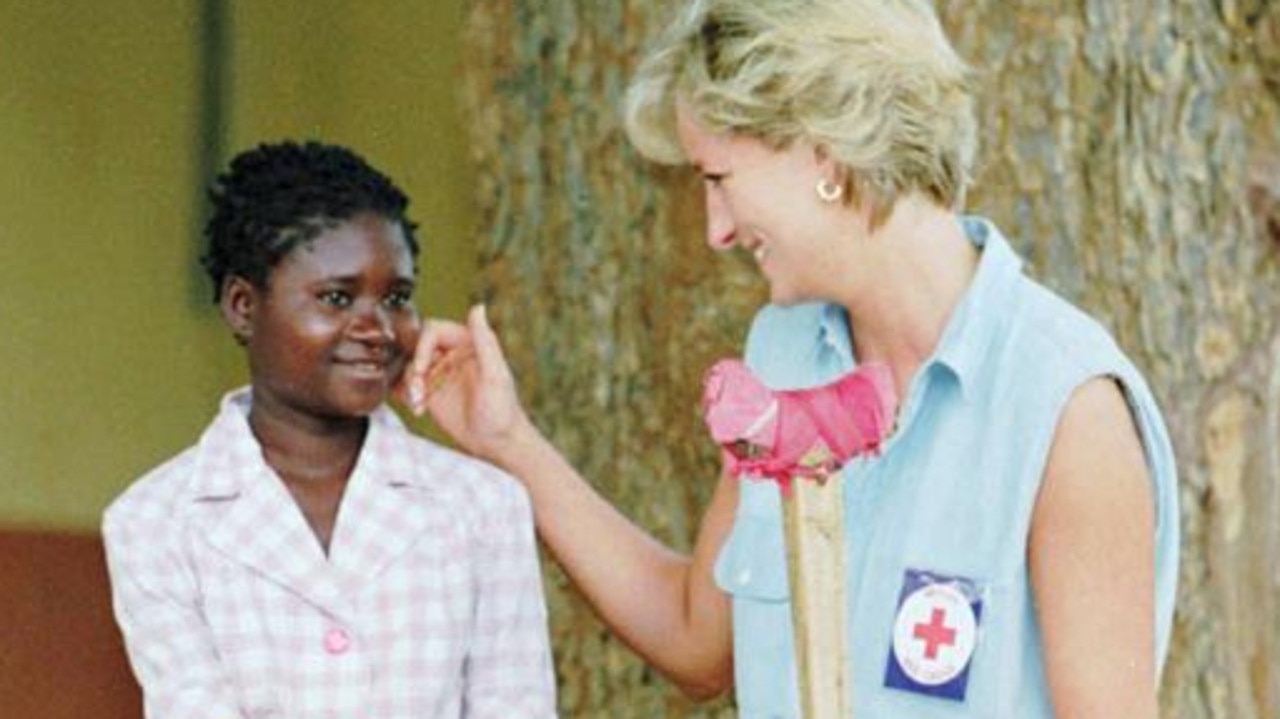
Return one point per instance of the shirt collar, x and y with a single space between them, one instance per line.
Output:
833 330
974 323
977 320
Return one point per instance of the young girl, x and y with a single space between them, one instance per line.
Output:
308 556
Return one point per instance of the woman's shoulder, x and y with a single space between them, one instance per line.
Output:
1056 333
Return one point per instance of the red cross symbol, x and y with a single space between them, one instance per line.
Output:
935 634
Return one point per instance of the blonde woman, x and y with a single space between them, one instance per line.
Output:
1013 551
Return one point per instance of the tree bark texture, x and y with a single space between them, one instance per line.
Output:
1131 151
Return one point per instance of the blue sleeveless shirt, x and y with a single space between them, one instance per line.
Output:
941 619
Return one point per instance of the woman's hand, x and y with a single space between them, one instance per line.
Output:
460 376
663 604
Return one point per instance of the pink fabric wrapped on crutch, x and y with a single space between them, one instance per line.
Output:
810 433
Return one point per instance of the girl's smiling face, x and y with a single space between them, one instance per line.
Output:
330 334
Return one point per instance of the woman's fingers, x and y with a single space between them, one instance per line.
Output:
439 341
493 363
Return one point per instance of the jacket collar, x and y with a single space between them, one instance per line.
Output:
250 516
977 320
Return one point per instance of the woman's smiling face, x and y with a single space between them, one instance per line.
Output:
764 201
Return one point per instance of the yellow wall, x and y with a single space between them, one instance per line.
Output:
111 359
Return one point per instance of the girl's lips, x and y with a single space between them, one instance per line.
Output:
370 369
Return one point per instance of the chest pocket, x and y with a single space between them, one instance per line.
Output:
753 563
752 568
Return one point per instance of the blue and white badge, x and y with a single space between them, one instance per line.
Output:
935 634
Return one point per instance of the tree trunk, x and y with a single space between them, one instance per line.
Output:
1130 150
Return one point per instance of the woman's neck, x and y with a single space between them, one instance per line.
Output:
921 264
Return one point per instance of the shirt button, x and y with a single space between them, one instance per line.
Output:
337 641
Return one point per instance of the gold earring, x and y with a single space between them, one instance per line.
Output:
829 191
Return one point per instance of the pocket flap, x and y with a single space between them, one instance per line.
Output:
753 562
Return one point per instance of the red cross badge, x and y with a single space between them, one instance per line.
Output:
935 634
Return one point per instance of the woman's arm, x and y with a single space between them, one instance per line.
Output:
663 604
1092 558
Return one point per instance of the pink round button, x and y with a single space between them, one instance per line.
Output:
337 641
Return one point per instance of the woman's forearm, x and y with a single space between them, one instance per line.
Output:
661 603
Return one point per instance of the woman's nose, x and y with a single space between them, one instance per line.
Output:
720 226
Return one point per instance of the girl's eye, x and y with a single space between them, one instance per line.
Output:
713 178
399 299
335 298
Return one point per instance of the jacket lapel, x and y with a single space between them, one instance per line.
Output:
250 517
382 515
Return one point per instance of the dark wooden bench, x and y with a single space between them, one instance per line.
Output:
61 656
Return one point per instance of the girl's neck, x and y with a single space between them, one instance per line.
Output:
305 449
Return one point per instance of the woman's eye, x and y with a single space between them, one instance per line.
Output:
335 298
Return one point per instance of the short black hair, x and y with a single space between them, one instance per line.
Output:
277 196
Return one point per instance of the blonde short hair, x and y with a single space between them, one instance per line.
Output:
875 83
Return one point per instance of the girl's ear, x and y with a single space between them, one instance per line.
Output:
239 300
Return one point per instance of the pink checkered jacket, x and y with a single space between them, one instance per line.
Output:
428 606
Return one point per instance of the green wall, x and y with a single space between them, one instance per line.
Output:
112 358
